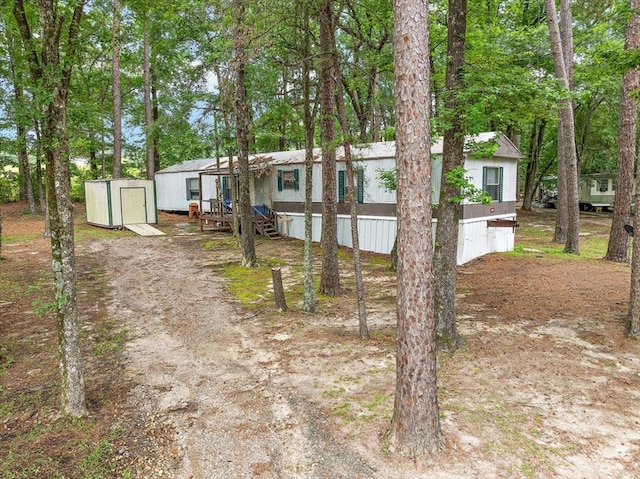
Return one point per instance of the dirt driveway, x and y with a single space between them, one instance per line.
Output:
545 386
213 401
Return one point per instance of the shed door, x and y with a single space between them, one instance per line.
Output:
134 205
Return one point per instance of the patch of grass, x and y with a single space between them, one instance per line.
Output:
21 238
109 342
510 434
251 285
228 242
342 409
85 231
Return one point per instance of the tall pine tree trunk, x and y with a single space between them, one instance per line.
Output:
330 276
627 123
632 327
415 427
242 131
148 112
446 247
567 156
117 95
309 303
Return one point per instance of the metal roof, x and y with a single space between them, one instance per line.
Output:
190 165
370 151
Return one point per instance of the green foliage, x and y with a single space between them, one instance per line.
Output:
457 177
388 179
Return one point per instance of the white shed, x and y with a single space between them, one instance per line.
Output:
116 203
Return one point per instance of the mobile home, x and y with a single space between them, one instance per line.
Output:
278 181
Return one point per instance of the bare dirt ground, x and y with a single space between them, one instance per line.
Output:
545 385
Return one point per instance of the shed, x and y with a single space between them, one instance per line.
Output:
117 203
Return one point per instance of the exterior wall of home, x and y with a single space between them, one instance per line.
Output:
172 189
377 215
377 234
474 169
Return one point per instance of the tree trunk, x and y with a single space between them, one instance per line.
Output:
617 249
249 259
535 147
415 427
278 290
25 183
567 157
117 95
445 256
54 75
155 117
309 303
148 114
351 196
330 276
632 327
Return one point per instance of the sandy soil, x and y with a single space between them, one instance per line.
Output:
545 386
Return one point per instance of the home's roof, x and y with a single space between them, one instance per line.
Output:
190 165
370 151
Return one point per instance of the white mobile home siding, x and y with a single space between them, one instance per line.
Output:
377 233
172 190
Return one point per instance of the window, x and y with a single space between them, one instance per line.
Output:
288 180
342 185
193 189
492 181
603 186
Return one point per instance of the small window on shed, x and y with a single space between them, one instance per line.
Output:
193 189
492 177
288 180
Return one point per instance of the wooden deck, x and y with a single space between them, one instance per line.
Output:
264 221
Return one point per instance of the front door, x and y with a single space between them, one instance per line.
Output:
134 205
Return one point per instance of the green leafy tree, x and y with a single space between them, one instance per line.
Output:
51 58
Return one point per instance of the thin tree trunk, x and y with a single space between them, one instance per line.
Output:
445 256
330 276
148 114
617 249
309 303
155 115
249 259
535 147
25 183
351 196
415 426
117 95
377 114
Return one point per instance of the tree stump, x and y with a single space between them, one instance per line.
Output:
278 290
